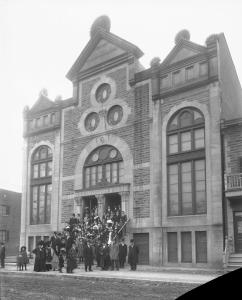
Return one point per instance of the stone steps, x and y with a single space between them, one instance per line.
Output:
235 261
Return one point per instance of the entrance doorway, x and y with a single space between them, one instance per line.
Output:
90 204
142 241
238 231
113 201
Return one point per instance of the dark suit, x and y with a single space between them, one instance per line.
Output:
122 254
2 256
133 256
88 257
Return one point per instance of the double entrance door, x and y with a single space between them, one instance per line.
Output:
238 231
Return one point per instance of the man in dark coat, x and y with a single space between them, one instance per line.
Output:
122 253
2 255
88 256
133 255
40 257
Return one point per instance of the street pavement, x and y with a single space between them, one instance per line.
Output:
147 273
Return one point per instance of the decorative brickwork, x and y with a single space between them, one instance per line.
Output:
142 204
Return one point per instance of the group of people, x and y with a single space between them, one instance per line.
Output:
85 240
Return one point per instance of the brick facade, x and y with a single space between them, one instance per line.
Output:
145 101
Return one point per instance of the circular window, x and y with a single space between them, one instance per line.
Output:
95 157
115 115
103 92
113 153
92 121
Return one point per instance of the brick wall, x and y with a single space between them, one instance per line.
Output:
142 204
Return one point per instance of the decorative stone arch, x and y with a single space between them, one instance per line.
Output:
204 110
109 139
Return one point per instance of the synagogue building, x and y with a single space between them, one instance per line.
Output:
162 143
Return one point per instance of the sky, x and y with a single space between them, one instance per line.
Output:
41 39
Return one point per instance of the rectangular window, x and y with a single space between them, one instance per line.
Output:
4 236
42 170
46 120
114 172
164 82
200 186
173 143
186 141
4 210
240 164
34 205
108 173
42 204
186 247
52 118
172 247
173 190
35 171
37 240
199 138
201 246
190 74
99 173
49 168
203 69
93 175
186 187
121 171
48 203
39 122
30 243
176 78
87 177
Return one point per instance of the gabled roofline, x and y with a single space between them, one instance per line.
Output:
92 43
200 49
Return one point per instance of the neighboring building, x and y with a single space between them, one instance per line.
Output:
232 152
149 140
10 219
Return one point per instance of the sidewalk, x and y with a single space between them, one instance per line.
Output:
143 273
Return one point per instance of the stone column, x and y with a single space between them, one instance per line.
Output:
125 202
100 205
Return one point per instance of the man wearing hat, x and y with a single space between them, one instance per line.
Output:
88 256
122 253
133 255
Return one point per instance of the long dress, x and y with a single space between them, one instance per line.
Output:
39 263
55 260
71 260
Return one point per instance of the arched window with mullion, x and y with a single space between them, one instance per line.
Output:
41 186
186 163
104 166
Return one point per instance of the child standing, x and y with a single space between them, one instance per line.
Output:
25 259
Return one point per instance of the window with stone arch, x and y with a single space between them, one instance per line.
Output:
41 186
186 180
104 166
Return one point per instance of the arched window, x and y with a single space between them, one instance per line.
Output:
104 166
41 186
186 163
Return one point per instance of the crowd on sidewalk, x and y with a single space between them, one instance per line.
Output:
86 241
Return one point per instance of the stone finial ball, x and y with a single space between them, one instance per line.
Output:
155 62
211 39
182 35
102 22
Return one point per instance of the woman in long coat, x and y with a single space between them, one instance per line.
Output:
72 259
39 263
